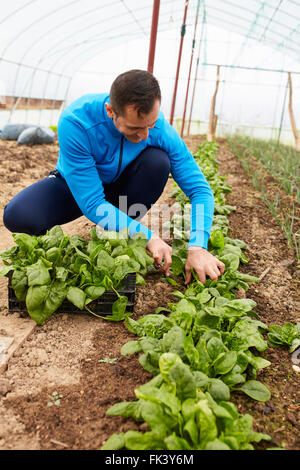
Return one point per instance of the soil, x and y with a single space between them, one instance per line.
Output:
78 355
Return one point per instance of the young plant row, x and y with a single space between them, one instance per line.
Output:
204 348
282 162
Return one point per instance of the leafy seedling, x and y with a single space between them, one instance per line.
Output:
55 399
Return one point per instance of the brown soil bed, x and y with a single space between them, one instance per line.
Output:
63 354
285 205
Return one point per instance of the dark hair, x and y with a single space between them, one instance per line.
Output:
137 87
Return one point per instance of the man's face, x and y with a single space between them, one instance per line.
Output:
135 128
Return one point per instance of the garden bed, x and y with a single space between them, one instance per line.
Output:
79 356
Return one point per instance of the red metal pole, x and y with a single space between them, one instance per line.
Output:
190 69
196 73
155 15
179 61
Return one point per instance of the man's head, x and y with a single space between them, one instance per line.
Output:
134 104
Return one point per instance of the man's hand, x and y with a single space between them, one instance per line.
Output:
203 263
160 251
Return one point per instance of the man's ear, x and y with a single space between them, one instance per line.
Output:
109 110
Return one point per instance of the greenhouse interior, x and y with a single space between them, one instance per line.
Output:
186 337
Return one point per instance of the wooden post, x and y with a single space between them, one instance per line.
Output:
293 122
213 119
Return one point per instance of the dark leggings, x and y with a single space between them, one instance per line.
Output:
49 202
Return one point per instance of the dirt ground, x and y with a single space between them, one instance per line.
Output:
78 356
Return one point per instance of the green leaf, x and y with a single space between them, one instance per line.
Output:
117 251
43 301
218 390
231 261
162 397
139 254
202 380
81 256
127 409
182 376
283 335
246 305
124 267
10 253
131 347
216 444
105 261
175 442
233 377
170 280
217 239
77 297
118 310
150 344
134 327
149 361
191 352
215 347
173 341
219 410
61 273
166 362
53 254
162 309
207 422
255 361
107 282
246 277
114 442
38 273
94 292
245 335
53 237
93 249
185 306
135 440
77 241
4 270
255 390
119 307
93 234
115 238
204 296
27 242
155 325
140 281
224 364
191 429
19 283
177 267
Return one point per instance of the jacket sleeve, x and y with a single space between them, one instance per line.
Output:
82 177
193 183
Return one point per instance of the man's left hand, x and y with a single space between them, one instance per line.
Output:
204 264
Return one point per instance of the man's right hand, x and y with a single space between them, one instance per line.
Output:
162 254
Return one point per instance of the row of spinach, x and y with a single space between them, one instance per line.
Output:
205 346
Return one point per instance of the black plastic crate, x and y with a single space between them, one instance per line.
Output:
102 306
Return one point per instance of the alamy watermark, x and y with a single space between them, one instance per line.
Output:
164 220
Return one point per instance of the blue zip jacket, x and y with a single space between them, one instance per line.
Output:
89 149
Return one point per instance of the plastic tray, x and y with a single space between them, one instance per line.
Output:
103 305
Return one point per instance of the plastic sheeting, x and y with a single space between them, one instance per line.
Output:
44 45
